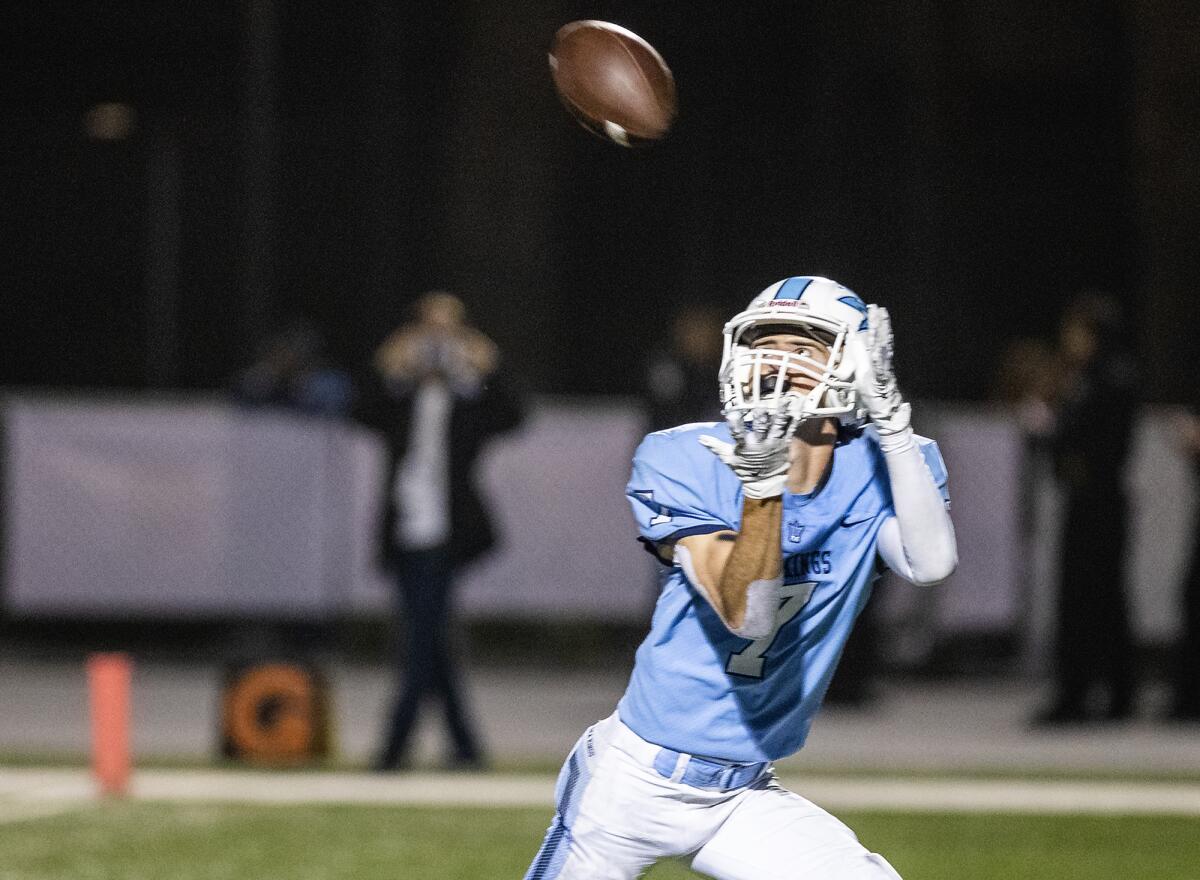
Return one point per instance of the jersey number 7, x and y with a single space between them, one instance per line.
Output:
749 661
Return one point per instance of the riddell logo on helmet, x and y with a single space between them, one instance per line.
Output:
789 303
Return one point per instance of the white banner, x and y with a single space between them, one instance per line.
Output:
153 509
568 543
147 508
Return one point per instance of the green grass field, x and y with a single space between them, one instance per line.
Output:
167 841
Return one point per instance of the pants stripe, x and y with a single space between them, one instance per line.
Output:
552 852
554 848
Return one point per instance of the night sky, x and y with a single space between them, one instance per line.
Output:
968 164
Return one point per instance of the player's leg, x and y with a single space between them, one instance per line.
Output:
576 845
617 815
774 834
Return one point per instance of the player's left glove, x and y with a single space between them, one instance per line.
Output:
760 456
874 378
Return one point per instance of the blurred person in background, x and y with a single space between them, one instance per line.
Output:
437 395
1027 385
680 379
1027 381
1089 426
293 372
1185 676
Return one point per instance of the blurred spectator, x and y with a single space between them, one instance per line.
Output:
1090 428
1028 381
292 372
681 382
1026 386
437 395
1185 705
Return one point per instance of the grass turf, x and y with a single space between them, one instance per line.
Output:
168 841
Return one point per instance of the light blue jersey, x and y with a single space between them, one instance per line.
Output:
696 687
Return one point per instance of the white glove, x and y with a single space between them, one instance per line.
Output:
760 457
874 378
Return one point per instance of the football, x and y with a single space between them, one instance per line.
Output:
614 82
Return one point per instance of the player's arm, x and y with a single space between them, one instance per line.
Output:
918 543
739 573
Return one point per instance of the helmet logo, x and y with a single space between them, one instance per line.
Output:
793 288
854 302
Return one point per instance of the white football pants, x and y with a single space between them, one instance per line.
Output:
617 815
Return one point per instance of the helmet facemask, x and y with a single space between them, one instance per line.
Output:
758 385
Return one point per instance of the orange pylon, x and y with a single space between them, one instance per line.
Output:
109 677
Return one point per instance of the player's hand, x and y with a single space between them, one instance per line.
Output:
874 378
759 456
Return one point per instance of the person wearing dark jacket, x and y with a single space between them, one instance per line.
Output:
1090 441
437 396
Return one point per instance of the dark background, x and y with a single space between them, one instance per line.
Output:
969 164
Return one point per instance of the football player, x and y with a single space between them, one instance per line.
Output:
769 527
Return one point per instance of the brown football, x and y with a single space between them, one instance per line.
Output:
613 81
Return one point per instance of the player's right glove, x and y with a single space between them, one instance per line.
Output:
760 456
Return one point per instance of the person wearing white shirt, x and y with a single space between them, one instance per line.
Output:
437 397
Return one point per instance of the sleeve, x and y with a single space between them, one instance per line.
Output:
673 491
917 541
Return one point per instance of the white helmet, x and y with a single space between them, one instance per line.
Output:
748 375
